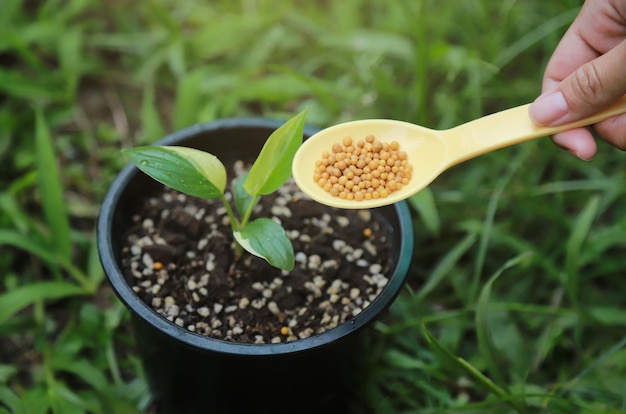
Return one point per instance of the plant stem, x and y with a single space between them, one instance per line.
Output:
234 224
246 216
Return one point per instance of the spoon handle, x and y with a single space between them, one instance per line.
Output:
509 127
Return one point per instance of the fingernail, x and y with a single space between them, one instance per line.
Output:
578 155
548 108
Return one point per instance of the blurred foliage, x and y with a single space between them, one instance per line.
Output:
515 302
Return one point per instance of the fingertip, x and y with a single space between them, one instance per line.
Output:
579 142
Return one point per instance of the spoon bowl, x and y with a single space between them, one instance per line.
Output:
429 151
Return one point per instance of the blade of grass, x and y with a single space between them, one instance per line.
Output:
446 265
274 88
28 244
113 317
66 401
6 372
71 58
20 220
321 89
501 393
558 322
94 270
420 88
82 369
17 43
160 13
569 386
534 36
573 250
187 99
601 241
591 184
261 52
485 238
34 401
51 191
137 43
608 316
9 399
10 10
11 238
424 204
150 118
485 341
176 57
16 299
20 86
367 41
463 364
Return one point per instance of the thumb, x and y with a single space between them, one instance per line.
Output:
588 90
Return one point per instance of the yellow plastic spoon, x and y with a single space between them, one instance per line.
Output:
430 152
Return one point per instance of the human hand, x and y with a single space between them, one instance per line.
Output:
586 73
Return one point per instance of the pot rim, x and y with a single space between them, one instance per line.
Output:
145 312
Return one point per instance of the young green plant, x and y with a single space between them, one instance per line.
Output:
200 174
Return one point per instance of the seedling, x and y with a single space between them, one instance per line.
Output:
201 174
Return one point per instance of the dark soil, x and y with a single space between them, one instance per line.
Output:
180 257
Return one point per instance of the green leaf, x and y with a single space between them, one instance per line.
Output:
266 239
18 298
51 191
273 165
189 170
424 203
243 199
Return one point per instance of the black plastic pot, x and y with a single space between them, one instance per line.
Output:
191 373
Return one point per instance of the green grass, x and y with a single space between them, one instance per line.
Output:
515 298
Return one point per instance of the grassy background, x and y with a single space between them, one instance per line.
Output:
516 296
